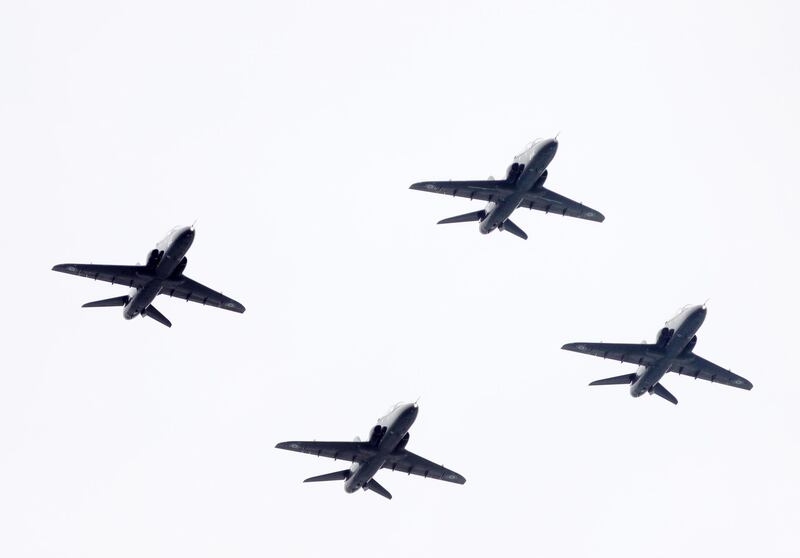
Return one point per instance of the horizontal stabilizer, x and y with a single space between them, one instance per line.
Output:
151 312
377 488
338 475
466 218
661 391
116 301
510 226
625 379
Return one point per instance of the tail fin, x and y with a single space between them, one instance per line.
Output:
151 312
466 218
510 226
661 391
338 475
625 379
377 488
116 301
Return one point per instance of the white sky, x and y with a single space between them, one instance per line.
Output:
292 131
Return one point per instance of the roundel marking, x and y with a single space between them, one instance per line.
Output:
295 446
581 347
71 268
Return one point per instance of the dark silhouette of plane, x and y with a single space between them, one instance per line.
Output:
522 187
672 352
163 274
384 450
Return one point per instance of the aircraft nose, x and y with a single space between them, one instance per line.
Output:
550 145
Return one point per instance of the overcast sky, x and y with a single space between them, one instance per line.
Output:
292 132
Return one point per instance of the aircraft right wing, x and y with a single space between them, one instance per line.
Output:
698 367
633 353
130 275
346 451
411 463
192 291
548 201
485 190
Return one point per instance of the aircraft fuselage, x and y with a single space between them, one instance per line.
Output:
527 172
165 261
681 331
392 428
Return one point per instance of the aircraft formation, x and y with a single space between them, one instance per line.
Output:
523 186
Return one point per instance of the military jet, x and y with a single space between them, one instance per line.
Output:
384 450
672 352
163 274
522 187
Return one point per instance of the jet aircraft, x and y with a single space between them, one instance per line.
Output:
673 351
522 187
163 274
384 450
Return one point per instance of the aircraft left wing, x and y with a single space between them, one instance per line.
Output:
633 353
485 190
346 451
191 290
411 463
548 201
130 275
699 368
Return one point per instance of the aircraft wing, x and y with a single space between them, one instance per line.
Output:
191 290
130 275
411 463
699 368
346 451
486 190
634 353
548 201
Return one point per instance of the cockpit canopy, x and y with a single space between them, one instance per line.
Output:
394 407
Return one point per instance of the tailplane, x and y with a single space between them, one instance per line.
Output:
624 379
336 476
377 488
466 218
116 301
662 392
509 226
151 312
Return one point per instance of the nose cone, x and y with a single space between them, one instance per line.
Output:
698 314
187 235
410 413
549 147
699 310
